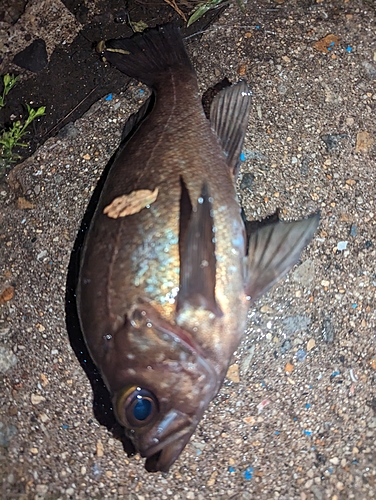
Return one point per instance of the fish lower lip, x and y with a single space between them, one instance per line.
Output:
158 447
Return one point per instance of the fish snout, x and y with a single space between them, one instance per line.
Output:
164 442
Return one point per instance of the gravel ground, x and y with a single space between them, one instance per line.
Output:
296 417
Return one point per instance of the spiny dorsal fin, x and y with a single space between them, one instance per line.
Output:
197 256
229 118
273 250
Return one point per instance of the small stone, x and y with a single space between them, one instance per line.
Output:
69 491
325 283
233 373
295 324
328 332
7 359
7 432
212 478
267 310
83 470
351 182
334 460
41 489
247 181
364 142
340 486
249 420
244 365
372 362
34 451
7 294
86 156
305 273
43 418
36 399
342 245
289 367
109 473
311 344
370 69
44 379
242 69
99 449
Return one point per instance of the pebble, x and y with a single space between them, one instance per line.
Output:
289 367
212 478
325 283
233 373
34 451
364 142
7 432
294 324
305 273
334 460
7 359
244 365
328 332
36 399
342 245
311 344
99 449
41 489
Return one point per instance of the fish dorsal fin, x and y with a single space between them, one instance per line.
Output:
229 118
197 255
273 250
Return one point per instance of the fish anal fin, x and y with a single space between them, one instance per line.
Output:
273 250
197 256
229 114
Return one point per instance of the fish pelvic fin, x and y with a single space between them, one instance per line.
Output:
148 55
197 255
229 115
273 250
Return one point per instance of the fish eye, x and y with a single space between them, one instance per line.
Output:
137 407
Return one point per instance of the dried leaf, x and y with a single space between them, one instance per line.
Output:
130 204
7 294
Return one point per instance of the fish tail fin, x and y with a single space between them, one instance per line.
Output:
148 55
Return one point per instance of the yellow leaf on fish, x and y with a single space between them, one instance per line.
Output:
130 204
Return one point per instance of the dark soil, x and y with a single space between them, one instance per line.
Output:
75 77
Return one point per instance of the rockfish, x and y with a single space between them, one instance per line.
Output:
168 270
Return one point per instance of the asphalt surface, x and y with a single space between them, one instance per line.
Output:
296 417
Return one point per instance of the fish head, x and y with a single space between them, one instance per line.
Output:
163 385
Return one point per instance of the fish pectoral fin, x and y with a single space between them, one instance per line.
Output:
273 250
197 256
229 114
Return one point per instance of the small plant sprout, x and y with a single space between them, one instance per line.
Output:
9 81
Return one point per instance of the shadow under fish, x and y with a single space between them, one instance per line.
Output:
168 268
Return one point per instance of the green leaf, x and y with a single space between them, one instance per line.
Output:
201 9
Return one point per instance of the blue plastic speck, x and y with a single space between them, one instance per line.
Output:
248 473
307 406
65 426
276 433
348 49
258 27
231 469
109 97
242 157
307 433
354 306
334 374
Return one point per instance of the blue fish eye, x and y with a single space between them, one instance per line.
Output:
142 409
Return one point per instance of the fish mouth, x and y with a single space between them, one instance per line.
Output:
162 445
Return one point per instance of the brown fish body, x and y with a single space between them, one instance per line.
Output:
160 341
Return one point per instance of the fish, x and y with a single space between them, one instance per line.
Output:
168 270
